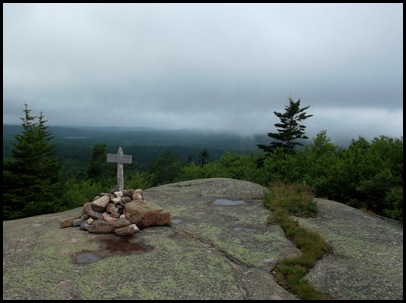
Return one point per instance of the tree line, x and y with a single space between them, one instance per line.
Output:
367 174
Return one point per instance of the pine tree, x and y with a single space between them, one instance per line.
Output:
165 168
98 168
31 177
289 129
204 157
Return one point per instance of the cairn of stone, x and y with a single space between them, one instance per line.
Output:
121 212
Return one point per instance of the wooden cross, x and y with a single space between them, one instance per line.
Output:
119 158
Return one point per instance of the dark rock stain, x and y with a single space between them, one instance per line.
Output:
111 245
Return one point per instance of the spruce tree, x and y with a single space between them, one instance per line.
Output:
165 168
289 129
204 157
98 168
31 177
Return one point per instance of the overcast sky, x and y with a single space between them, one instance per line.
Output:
209 66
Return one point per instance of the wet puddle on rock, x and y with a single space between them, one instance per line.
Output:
112 245
86 257
227 202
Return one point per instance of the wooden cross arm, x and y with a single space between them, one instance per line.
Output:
127 159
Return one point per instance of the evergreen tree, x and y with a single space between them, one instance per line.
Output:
289 129
98 168
204 157
165 168
31 177
189 159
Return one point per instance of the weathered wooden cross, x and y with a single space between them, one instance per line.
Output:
119 158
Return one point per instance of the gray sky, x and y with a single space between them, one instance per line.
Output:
209 66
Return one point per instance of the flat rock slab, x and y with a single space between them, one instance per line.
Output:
366 262
210 251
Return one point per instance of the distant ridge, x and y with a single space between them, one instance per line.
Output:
148 136
145 144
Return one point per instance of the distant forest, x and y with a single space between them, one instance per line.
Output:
74 144
363 174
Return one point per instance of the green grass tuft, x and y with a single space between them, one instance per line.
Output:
285 200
